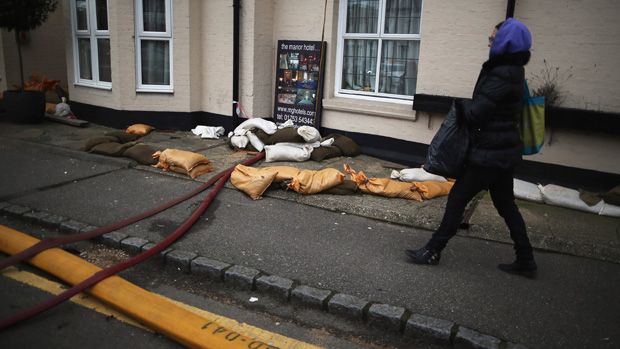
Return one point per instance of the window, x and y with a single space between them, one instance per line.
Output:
154 45
378 48
91 43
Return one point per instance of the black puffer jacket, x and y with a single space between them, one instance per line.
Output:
493 112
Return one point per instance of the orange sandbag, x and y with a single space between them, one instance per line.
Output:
283 173
182 161
312 182
383 186
139 129
432 189
50 108
252 181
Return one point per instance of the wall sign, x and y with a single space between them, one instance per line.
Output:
299 82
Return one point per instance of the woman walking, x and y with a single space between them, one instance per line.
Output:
495 149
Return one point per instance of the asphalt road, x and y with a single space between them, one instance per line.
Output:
573 303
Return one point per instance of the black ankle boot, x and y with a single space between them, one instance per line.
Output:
525 268
424 256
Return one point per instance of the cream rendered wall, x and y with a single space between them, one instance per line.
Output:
581 34
217 56
257 54
123 95
452 52
42 54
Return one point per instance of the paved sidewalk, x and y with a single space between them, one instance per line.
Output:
550 228
351 245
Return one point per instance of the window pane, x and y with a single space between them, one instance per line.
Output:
103 52
402 16
362 16
399 67
102 14
84 57
154 15
81 14
359 64
155 62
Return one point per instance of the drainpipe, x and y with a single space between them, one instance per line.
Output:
236 15
510 9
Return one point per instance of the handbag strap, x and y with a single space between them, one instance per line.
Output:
526 95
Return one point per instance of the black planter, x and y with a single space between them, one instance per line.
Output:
24 107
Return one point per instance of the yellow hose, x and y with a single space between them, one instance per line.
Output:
148 308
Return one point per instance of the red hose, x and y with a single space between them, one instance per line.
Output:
180 231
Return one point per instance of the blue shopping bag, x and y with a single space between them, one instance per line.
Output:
532 126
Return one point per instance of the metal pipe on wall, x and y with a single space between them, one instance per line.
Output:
235 92
510 9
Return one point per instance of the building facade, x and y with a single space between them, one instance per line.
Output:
170 62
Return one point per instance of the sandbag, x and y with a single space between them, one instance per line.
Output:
565 197
612 196
182 161
239 142
255 141
251 181
312 182
527 191
287 153
416 175
122 136
111 148
283 135
267 126
309 133
139 129
347 187
610 210
432 189
383 186
211 132
347 146
91 142
141 153
322 153
283 173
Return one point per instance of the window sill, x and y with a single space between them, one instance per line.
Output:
374 108
107 88
148 90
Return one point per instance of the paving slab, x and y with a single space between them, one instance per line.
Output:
50 170
552 228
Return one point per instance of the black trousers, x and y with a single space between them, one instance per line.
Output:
499 182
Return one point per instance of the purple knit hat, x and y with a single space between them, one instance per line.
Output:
513 36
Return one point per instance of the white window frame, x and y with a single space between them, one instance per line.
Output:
159 36
93 34
380 35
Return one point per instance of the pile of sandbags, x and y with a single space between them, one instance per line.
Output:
287 143
255 180
182 161
121 144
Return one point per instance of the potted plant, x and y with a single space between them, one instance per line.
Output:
21 16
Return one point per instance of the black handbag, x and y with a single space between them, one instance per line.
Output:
448 149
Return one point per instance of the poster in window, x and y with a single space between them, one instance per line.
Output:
299 82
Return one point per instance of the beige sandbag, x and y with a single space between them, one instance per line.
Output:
312 182
139 129
251 181
432 189
182 161
383 186
283 173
